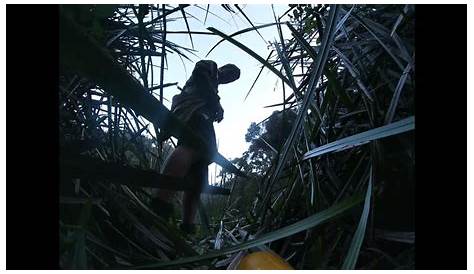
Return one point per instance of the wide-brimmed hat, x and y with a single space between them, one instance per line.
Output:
228 73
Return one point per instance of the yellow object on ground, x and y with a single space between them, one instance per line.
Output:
263 260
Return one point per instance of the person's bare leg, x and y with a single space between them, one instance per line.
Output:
198 177
177 165
190 206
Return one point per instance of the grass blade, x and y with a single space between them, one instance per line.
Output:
396 95
354 73
300 39
343 19
164 86
251 53
280 104
207 12
226 164
282 54
396 236
353 254
242 31
286 65
203 216
399 20
398 127
187 25
258 75
248 20
210 12
79 256
228 8
319 65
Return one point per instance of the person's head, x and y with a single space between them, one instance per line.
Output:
209 68
223 75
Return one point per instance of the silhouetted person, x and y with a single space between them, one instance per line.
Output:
198 106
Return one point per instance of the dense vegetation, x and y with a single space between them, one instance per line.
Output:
329 180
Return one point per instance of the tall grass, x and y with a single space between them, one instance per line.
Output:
347 71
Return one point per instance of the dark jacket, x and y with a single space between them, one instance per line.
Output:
199 95
198 104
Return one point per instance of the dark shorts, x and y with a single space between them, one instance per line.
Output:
205 129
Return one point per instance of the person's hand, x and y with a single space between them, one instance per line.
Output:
219 115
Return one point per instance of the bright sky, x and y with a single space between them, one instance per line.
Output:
238 114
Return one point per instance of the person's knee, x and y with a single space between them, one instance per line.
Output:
179 162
